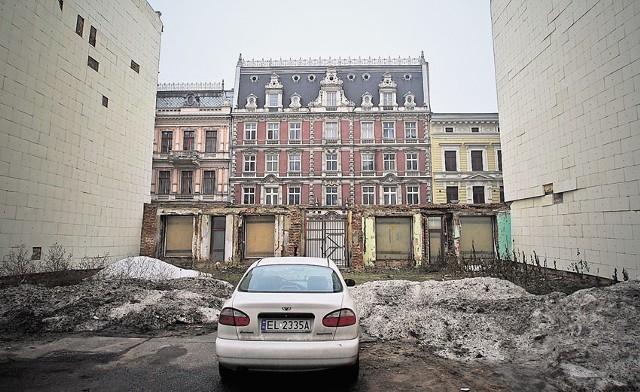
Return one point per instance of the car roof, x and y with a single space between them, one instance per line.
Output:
320 261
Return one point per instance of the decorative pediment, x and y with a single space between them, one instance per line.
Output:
387 81
331 78
390 178
271 179
274 82
331 94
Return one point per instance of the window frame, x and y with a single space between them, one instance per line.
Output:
273 132
480 190
369 128
249 162
368 194
449 194
476 160
331 165
411 131
447 160
164 183
249 195
251 131
388 131
390 195
186 182
271 162
389 161
294 192
329 128
271 195
294 160
211 140
208 182
413 194
411 161
295 134
372 161
166 142
188 143
331 198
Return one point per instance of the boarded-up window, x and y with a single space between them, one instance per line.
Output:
178 235
259 236
393 238
476 233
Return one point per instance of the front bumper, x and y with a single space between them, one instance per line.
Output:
278 355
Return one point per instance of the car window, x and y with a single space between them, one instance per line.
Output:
286 278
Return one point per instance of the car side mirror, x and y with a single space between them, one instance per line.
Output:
350 282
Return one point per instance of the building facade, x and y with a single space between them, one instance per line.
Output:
466 158
76 121
191 156
567 79
331 132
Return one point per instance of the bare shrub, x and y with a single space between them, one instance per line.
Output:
94 262
17 263
57 259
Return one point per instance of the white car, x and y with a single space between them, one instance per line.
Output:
289 314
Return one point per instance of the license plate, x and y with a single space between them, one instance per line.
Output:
277 325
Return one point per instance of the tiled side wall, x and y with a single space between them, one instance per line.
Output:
73 171
568 76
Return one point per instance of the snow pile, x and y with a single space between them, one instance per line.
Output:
114 306
142 267
591 337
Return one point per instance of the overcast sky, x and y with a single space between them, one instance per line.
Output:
203 38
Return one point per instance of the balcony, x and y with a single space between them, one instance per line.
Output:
189 157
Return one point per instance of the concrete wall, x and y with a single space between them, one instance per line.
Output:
568 79
72 170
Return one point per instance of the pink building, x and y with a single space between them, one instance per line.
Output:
331 132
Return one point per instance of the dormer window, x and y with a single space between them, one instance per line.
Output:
331 95
273 92
387 88
367 103
252 102
409 101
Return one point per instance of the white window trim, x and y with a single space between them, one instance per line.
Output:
373 193
484 156
267 161
338 194
457 150
417 193
278 194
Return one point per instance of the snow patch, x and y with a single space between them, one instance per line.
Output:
142 267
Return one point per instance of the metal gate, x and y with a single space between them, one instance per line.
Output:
326 236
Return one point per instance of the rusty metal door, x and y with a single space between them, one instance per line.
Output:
326 236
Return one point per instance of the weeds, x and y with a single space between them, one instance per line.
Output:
16 263
94 262
57 259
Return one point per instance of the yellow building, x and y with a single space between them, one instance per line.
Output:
466 158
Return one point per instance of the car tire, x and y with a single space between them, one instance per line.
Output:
226 375
351 373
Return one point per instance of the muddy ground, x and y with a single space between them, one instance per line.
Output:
484 334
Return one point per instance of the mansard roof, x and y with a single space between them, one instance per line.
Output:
358 77
203 95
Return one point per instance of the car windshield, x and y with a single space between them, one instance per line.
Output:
286 278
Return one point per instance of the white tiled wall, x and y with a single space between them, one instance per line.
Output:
568 75
71 170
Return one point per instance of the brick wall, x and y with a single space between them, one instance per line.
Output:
149 229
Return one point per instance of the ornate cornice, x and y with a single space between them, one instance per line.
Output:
329 62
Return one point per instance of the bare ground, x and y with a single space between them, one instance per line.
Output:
484 334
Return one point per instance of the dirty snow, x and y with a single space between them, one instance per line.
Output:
142 267
589 339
